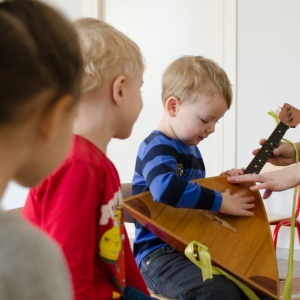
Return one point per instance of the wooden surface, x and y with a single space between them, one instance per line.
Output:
248 253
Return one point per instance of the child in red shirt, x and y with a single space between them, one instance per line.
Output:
80 204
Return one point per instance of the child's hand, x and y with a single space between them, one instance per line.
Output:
238 204
234 172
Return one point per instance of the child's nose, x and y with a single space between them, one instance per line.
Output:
210 128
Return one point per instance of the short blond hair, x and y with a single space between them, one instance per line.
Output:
188 75
106 52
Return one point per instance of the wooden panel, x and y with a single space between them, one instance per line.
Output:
248 253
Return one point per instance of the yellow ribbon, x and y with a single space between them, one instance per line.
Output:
200 256
287 290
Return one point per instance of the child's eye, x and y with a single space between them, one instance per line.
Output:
205 122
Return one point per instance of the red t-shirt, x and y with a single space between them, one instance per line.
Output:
80 206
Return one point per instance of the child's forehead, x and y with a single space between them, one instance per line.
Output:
204 98
214 105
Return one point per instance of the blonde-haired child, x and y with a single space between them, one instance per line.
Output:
196 93
80 204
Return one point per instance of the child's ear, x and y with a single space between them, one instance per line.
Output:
172 105
55 118
119 89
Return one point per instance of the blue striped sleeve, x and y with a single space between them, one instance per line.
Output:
158 168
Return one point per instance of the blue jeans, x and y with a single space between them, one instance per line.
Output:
131 293
171 274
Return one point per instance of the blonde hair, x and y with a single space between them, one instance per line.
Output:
106 52
195 74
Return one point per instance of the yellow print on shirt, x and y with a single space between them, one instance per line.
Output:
108 210
110 243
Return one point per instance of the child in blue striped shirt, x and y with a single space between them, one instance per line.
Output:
196 93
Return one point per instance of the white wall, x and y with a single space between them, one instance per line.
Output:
268 61
77 9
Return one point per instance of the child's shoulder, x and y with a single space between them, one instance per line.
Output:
159 143
157 137
85 151
37 254
19 234
84 159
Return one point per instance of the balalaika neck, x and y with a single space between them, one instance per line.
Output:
266 151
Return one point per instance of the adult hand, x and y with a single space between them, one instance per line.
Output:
278 180
283 155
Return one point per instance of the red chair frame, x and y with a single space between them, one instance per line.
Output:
287 221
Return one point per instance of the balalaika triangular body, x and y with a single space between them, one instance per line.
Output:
242 246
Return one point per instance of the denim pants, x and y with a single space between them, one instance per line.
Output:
134 294
171 274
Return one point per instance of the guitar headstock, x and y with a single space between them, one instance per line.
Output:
289 115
